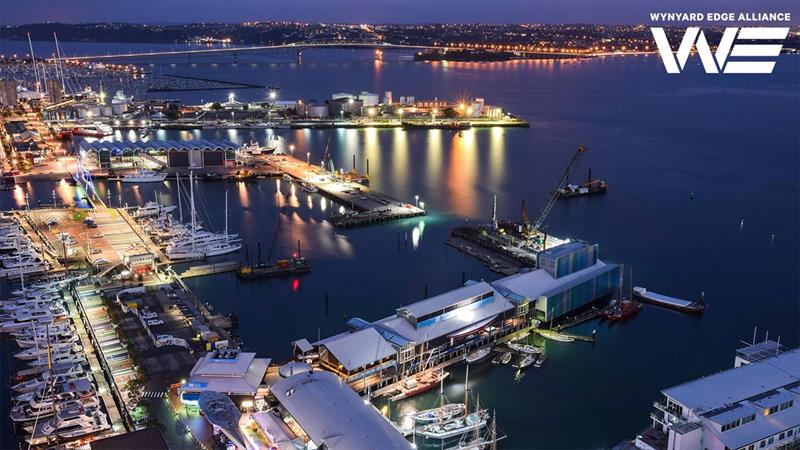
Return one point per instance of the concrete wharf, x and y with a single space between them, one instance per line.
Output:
368 206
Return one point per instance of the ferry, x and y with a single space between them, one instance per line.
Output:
144 176
673 303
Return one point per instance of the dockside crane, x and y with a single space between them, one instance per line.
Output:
553 197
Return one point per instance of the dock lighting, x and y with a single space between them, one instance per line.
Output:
291 148
131 122
416 200
231 97
400 112
272 95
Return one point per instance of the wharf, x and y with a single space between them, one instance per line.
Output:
494 261
370 206
210 269
580 318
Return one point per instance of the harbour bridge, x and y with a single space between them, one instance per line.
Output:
379 47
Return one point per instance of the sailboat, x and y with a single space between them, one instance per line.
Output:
202 244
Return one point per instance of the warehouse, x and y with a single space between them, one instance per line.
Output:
179 154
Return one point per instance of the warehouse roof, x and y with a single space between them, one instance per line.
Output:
331 413
539 282
359 348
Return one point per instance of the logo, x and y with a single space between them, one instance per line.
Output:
729 46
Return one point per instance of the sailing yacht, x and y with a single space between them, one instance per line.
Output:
202 244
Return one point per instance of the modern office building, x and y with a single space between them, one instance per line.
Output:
754 406
569 277
317 410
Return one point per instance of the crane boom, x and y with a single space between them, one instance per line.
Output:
553 197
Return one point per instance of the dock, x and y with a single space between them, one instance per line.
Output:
367 206
210 269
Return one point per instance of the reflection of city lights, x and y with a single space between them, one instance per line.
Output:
415 237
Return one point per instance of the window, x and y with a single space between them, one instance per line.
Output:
751 447
748 419
790 432
762 444
781 436
771 440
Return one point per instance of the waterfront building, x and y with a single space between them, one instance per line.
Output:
8 93
417 337
193 154
316 410
369 98
227 371
570 277
138 259
341 107
754 406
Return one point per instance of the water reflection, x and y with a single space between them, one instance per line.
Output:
462 172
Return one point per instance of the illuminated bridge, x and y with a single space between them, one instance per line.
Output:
298 46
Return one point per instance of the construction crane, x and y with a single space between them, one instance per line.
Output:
553 197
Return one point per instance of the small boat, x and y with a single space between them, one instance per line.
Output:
525 361
144 176
308 187
506 358
422 382
479 355
498 358
618 311
524 348
673 303
442 413
555 336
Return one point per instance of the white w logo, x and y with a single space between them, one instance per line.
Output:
714 63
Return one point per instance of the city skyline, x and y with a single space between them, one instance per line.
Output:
18 12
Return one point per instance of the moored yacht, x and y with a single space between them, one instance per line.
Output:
144 176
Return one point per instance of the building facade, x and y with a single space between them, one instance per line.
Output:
755 406
8 93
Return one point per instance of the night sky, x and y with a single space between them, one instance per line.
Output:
14 12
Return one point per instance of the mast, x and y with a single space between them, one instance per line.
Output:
35 68
191 197
59 67
226 217
494 430
180 207
466 392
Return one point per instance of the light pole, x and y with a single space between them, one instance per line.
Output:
308 158
54 198
416 201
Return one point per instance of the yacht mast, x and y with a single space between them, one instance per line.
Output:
226 217
191 196
35 67
59 67
180 207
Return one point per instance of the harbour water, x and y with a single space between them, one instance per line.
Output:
731 141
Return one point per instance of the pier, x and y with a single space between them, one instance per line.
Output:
368 206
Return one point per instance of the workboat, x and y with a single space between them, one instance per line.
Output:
144 176
589 187
422 382
677 304
524 348
293 266
525 361
440 414
308 187
152 209
478 356
455 427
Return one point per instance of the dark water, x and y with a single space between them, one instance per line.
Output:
732 141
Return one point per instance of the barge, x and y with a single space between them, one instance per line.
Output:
677 304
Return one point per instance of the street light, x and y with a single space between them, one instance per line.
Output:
416 201
291 149
231 97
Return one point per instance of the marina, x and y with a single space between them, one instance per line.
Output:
164 315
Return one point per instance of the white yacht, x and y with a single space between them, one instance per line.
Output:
150 209
24 412
64 358
144 176
68 423
59 338
50 393
55 349
99 423
60 375
42 332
